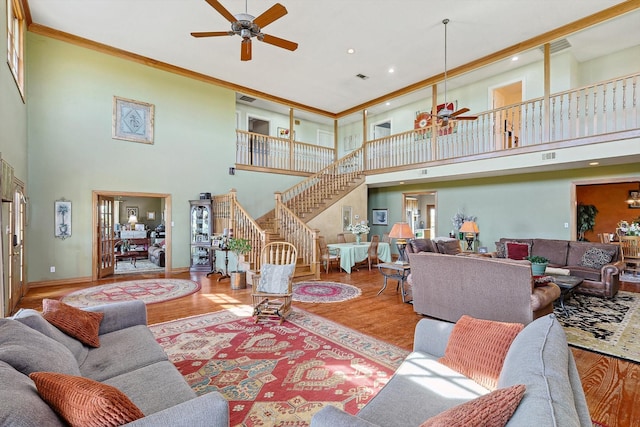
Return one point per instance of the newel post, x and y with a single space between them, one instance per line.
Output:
316 265
233 197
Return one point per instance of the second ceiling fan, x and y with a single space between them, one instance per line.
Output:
248 26
445 112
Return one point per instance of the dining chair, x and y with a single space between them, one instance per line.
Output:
372 252
341 238
604 237
630 248
274 293
327 255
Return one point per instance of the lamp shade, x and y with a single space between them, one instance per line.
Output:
401 230
133 219
469 227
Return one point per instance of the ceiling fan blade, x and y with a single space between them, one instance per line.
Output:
467 118
460 111
212 33
277 41
245 50
276 11
222 11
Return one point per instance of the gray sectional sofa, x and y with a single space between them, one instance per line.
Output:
539 358
128 358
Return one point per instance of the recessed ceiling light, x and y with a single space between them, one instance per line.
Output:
515 58
351 51
594 163
401 182
387 103
391 70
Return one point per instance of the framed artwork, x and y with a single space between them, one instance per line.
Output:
62 218
132 210
151 216
347 212
635 196
132 120
380 217
284 133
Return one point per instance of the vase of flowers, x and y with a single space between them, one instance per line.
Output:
458 219
358 230
628 229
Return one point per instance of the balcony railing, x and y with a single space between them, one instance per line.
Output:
603 110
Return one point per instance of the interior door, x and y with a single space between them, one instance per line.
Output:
106 239
16 272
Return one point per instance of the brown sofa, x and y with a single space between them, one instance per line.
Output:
599 280
446 287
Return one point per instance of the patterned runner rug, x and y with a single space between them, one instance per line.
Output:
324 292
149 290
278 375
607 326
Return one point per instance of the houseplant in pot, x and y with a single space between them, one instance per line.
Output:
239 247
538 264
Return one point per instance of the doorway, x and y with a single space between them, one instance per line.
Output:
258 144
381 129
507 119
16 271
420 213
106 220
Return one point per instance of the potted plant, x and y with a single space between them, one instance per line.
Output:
586 219
538 264
239 247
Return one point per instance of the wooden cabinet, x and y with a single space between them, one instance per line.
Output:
201 230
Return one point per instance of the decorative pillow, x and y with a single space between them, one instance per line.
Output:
80 324
448 247
421 245
493 409
28 350
477 348
501 250
274 279
596 258
542 280
517 251
83 402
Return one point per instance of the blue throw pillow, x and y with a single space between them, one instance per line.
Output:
274 279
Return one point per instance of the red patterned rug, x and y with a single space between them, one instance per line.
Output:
324 292
148 290
278 375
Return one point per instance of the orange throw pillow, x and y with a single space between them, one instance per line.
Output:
477 348
80 324
83 402
493 409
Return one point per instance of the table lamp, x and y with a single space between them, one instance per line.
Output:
470 231
401 232
132 221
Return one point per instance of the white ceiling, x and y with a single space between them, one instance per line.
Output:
407 35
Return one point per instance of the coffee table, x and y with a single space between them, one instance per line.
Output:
567 285
131 255
399 272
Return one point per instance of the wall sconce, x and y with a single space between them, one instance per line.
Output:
401 232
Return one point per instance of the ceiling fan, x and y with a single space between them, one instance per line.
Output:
445 112
248 26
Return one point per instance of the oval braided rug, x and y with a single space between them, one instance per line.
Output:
324 292
148 290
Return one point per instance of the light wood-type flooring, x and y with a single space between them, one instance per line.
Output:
612 386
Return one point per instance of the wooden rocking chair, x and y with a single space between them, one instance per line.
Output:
274 292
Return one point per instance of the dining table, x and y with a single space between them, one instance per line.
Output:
352 253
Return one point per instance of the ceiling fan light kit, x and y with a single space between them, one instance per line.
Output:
247 27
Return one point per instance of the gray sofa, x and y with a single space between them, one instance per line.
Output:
447 286
539 358
128 358
567 254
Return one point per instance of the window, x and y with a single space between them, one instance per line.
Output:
15 42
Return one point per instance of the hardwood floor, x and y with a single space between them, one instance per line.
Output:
612 386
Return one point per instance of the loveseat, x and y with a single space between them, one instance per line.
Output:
156 254
447 287
422 387
599 264
128 358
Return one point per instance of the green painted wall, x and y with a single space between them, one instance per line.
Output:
525 205
71 151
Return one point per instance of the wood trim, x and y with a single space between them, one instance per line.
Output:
123 54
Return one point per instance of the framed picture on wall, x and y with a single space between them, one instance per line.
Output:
380 217
62 215
132 210
151 216
132 120
634 195
347 212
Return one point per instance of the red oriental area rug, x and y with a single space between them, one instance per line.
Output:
278 374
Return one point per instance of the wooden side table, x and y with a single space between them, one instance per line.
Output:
399 272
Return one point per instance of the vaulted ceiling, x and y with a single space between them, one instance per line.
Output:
404 35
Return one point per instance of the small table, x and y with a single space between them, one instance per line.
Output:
399 272
567 285
131 255
215 270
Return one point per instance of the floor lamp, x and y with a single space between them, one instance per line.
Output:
401 232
